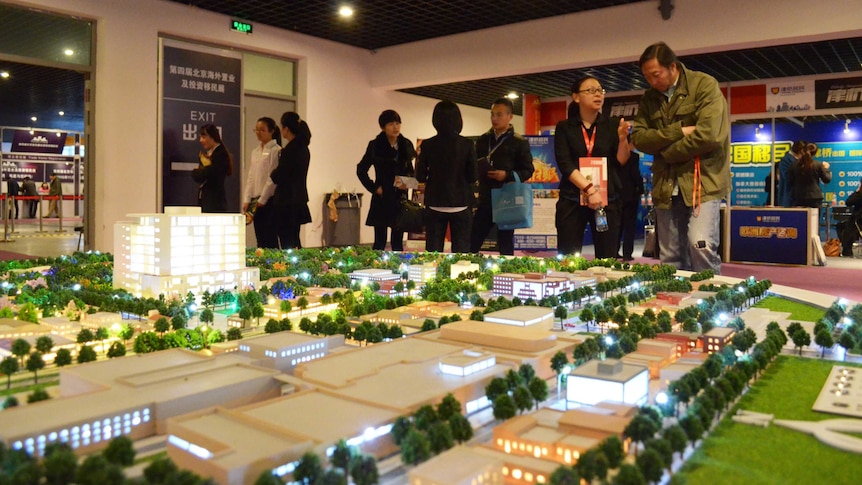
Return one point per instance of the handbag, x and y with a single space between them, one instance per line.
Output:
650 242
410 217
512 205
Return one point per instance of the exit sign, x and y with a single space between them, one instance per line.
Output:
240 26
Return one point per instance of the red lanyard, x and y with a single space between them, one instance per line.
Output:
589 141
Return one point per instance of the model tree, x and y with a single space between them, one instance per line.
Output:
612 447
538 388
440 437
117 349
60 464
629 475
640 429
96 470
37 395
9 366
86 354
504 407
234 333
592 464
565 475
462 430
414 448
363 470
34 364
120 451
267 478
20 349
801 339
63 358
44 344
824 340
309 469
341 455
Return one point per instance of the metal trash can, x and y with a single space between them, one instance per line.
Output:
345 231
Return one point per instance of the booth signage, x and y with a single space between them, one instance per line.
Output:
839 93
769 236
26 141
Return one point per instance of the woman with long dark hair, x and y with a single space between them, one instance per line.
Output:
290 202
215 164
447 165
589 133
391 155
257 187
805 176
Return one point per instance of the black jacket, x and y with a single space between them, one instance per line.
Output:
512 155
447 165
569 147
632 182
211 193
387 163
805 185
291 174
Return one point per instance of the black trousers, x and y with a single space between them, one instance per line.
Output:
380 239
264 230
628 226
483 221
571 221
459 224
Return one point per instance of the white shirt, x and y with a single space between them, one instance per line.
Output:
257 182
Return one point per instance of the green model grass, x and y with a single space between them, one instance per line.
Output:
742 453
798 311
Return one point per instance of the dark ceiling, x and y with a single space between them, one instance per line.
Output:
376 24
41 92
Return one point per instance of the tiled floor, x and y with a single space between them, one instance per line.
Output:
27 238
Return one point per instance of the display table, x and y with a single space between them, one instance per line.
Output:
771 235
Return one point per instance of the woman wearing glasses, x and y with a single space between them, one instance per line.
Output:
257 187
589 134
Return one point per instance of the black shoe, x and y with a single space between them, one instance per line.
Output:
618 256
628 258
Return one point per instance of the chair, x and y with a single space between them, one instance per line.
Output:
840 216
80 230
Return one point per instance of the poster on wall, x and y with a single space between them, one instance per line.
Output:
200 86
751 163
546 183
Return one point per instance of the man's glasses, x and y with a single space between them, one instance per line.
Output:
593 91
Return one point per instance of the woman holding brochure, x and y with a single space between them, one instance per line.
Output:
590 149
391 155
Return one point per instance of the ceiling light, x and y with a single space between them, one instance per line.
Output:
62 113
4 74
69 52
846 126
345 11
33 118
512 95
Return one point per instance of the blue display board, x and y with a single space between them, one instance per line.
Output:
769 235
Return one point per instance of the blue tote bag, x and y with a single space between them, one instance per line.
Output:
512 205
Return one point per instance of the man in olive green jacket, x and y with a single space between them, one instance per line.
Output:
683 122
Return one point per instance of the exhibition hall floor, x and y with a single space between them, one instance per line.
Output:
840 277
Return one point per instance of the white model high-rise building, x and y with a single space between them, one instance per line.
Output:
179 251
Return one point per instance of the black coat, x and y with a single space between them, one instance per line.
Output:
290 200
447 165
631 179
805 184
569 147
388 163
211 193
512 155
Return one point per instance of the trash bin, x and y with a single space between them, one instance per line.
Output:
345 231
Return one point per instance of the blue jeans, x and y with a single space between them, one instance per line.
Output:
687 241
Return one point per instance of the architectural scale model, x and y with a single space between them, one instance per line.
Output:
181 251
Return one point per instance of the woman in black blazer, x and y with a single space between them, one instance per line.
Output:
589 133
447 165
214 166
391 155
290 201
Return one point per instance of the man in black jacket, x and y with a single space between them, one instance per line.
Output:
501 153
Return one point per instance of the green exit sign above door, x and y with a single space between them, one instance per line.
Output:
240 26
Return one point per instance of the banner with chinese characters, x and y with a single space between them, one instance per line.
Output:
839 93
200 85
751 163
779 236
790 96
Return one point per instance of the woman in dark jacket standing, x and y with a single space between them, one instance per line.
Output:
391 155
447 165
589 133
804 179
214 166
290 201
